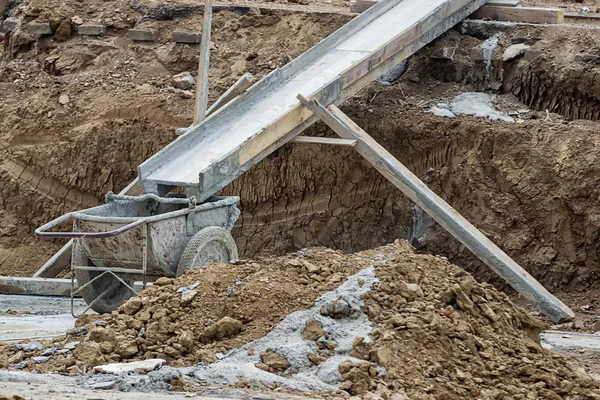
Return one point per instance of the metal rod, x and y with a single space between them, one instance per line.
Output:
441 211
105 269
145 234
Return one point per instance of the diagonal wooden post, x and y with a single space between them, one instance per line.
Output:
441 211
202 81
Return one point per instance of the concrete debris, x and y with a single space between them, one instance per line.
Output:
287 342
39 28
442 110
92 30
70 346
514 51
49 352
479 105
184 81
21 365
193 285
136 366
143 35
31 346
102 385
11 24
41 359
186 37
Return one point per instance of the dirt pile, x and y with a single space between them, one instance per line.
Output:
431 331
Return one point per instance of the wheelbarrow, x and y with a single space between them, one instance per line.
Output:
133 237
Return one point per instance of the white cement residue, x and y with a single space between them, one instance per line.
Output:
479 105
286 339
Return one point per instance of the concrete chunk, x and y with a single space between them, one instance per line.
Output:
39 28
143 35
92 30
186 37
10 25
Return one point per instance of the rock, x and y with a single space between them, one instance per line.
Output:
11 24
135 367
88 351
64 99
514 51
163 281
31 346
49 352
313 330
183 81
275 362
63 32
70 345
55 21
131 306
77 20
187 340
578 324
126 348
225 327
442 110
596 326
3 361
17 358
409 291
315 358
100 335
171 351
20 365
187 297
40 359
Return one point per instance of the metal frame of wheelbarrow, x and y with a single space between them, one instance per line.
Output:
142 221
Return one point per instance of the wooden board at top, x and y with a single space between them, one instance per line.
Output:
521 14
503 3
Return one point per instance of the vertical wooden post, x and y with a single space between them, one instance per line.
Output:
202 82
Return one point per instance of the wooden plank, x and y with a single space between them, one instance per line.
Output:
578 16
531 15
359 6
441 211
41 286
234 91
62 258
202 81
503 3
557 340
322 140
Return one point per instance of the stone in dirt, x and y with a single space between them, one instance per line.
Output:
225 327
126 348
274 362
31 346
40 359
135 366
131 306
313 330
63 99
63 32
514 51
184 81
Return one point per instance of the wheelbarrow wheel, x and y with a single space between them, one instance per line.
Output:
210 245
113 299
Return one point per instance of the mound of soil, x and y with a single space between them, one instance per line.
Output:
436 332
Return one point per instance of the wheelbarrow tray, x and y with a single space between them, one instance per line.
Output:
170 223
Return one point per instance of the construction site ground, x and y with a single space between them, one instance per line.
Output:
79 114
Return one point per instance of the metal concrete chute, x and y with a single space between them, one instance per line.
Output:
268 115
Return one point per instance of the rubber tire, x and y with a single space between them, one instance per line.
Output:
108 303
212 244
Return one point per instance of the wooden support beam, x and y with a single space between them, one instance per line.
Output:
41 286
441 211
322 140
62 259
202 81
521 14
234 91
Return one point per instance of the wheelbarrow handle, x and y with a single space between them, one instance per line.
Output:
42 230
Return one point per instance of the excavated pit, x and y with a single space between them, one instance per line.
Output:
524 184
